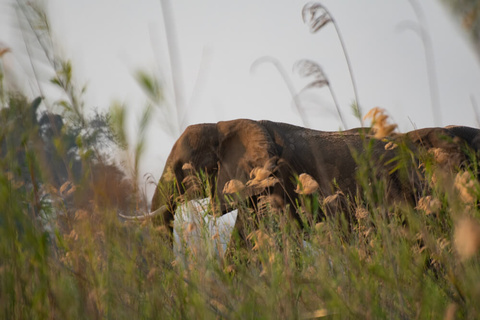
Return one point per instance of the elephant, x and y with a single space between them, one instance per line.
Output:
240 150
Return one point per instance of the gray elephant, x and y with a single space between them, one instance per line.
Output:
237 150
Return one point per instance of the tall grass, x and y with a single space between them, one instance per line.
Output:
317 16
394 261
65 253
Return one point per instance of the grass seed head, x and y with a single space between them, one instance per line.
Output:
188 167
429 205
73 235
465 186
390 146
448 159
193 185
257 186
273 201
233 186
259 174
380 125
81 214
361 213
67 188
306 184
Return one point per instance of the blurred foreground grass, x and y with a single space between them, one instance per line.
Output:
65 254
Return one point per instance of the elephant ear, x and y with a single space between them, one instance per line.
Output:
244 145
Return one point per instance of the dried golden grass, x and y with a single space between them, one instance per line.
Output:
260 185
259 174
380 126
465 186
233 186
391 145
262 240
193 185
306 184
361 213
270 203
429 205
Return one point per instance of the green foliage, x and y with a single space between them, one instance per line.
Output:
150 85
117 124
393 262
50 175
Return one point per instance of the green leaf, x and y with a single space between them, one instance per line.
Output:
150 85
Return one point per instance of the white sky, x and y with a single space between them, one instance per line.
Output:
219 40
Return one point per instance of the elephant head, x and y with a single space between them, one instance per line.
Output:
223 151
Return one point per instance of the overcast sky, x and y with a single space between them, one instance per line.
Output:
218 41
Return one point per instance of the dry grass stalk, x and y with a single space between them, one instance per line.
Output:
380 125
467 237
271 201
81 214
429 205
67 188
450 311
191 227
335 204
193 185
262 240
320 313
269 204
